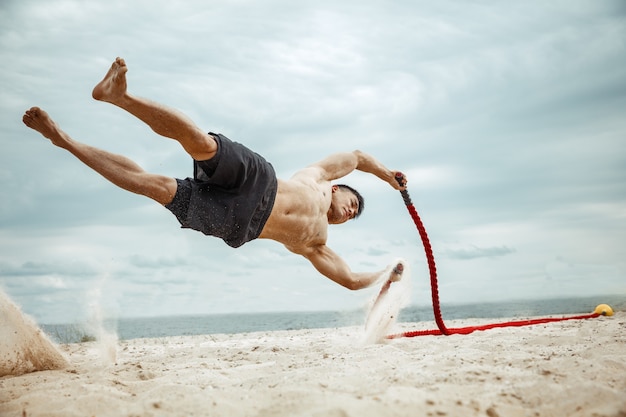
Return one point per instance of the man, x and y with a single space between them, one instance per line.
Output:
234 194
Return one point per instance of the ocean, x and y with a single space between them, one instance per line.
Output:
156 327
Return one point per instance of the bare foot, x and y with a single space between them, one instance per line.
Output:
113 85
38 120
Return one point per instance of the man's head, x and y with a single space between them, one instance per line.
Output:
346 204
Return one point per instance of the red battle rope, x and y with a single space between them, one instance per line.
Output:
443 330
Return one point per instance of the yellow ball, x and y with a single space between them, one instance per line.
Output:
604 309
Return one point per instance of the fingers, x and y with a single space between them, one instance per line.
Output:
396 273
400 179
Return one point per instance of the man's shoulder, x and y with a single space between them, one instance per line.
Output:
311 177
302 188
310 173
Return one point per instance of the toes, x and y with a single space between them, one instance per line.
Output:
28 119
32 114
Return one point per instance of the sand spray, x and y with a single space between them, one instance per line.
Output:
385 306
106 338
24 347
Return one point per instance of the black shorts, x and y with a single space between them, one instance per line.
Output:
231 195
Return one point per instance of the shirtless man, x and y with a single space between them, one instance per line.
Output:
234 194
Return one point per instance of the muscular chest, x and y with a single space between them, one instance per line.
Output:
299 216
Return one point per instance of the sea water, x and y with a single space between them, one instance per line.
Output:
156 327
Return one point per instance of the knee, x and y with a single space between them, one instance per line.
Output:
160 188
202 147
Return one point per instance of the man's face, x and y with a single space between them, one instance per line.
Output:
343 207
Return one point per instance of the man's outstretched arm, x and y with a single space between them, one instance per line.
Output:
341 164
329 264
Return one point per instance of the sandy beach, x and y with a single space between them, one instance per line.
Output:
572 368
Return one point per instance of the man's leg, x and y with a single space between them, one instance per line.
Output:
163 120
118 169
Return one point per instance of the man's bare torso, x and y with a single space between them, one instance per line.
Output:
299 217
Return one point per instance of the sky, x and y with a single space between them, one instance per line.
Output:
506 117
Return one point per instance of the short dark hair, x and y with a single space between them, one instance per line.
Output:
358 196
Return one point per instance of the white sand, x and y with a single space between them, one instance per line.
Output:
572 368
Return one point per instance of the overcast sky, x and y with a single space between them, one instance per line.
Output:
507 117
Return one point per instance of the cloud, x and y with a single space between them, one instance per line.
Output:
476 252
372 251
143 261
31 268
